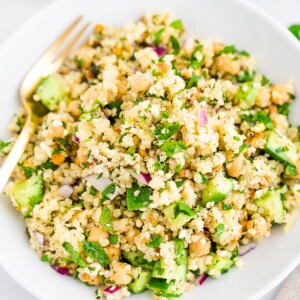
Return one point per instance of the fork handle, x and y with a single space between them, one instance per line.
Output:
16 152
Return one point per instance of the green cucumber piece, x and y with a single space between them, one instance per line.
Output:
246 94
137 259
282 149
216 190
29 193
272 206
138 197
219 265
179 213
162 288
139 284
50 91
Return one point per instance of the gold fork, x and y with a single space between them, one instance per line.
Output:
49 63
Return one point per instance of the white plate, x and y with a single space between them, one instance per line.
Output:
277 54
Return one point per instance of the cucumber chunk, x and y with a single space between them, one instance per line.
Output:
179 213
137 259
282 149
29 193
219 265
246 94
272 206
216 190
139 284
138 197
50 91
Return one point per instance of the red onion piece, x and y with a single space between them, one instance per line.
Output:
202 118
246 249
160 51
65 191
143 178
112 289
75 139
60 270
201 279
40 237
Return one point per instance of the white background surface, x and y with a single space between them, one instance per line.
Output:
15 12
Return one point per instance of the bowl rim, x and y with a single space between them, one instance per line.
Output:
256 10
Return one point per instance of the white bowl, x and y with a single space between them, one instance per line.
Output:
277 54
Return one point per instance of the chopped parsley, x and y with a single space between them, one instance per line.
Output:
113 239
3 145
173 147
195 63
138 197
219 230
45 258
48 165
265 80
284 109
295 30
110 189
175 45
204 179
227 49
156 240
164 132
193 81
157 36
76 256
177 24
93 191
96 253
79 62
159 165
27 170
226 206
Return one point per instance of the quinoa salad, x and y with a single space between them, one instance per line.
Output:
159 160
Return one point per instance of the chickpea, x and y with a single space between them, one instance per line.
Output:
263 99
120 275
235 167
82 154
74 109
55 131
131 235
113 252
202 246
281 93
226 64
140 82
258 227
97 234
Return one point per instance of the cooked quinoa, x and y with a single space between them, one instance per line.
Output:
157 159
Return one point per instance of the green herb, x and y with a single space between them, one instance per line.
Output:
262 116
79 62
123 120
236 138
265 80
242 148
45 258
93 191
165 114
172 147
244 53
131 150
295 30
121 137
138 100
177 24
96 253
48 165
182 208
179 183
226 206
57 151
155 241
164 132
27 170
204 179
106 219
298 128
246 77
174 68
193 81
227 49
159 165
75 274
219 230
195 63
175 45
3 145
60 141
178 169
113 239
76 256
179 252
157 36
284 109
110 189
138 197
